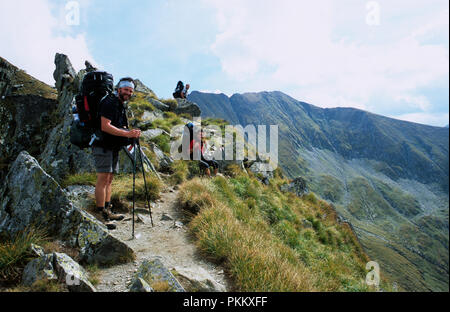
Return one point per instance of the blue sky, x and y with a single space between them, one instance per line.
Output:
387 57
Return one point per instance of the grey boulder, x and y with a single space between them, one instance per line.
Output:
42 202
153 272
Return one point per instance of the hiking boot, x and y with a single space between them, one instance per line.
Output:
109 216
111 226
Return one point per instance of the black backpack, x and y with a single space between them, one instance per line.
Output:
188 136
96 86
178 89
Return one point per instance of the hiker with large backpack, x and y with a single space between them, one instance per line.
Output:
114 135
198 149
178 90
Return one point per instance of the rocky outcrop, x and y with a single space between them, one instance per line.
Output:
154 276
263 170
297 186
158 104
6 76
140 87
25 124
59 267
140 285
187 107
165 162
41 202
38 269
196 279
153 133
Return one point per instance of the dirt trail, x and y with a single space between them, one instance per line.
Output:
168 239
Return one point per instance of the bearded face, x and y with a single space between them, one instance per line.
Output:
125 93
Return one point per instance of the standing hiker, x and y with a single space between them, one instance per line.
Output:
115 134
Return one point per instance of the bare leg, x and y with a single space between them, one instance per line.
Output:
109 187
100 189
208 172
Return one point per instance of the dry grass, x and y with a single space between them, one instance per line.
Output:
259 234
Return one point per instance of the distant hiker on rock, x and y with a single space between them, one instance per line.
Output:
197 146
115 135
181 91
185 91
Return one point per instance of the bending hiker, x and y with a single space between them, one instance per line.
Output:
199 146
181 91
185 91
115 134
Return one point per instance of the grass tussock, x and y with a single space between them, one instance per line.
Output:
16 252
122 187
87 178
273 241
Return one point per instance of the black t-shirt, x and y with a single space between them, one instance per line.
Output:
111 108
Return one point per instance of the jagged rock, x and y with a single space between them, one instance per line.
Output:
36 250
153 133
60 267
158 105
165 162
140 87
6 75
26 122
148 118
153 272
89 67
187 107
264 169
79 195
71 273
140 285
38 269
64 73
297 186
96 244
41 201
198 280
59 156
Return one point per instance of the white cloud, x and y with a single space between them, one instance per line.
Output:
438 120
420 102
300 46
31 36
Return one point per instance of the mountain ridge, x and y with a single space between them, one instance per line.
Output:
389 177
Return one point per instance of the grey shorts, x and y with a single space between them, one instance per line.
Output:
106 161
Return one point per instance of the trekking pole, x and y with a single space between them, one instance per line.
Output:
145 182
134 182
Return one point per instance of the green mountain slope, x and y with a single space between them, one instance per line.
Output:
388 177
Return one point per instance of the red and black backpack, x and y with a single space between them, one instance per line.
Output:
96 86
